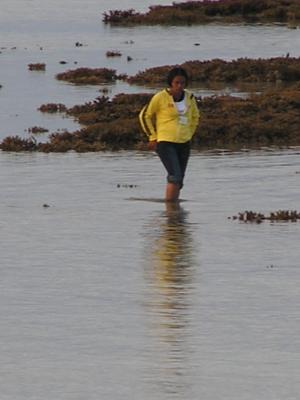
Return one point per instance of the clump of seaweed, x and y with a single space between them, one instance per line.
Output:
52 108
88 76
113 53
37 67
199 12
17 144
277 216
37 130
116 16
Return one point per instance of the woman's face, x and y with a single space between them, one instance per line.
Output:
178 84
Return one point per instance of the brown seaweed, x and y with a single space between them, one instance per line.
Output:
37 67
275 216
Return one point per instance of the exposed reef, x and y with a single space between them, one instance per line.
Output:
276 216
277 69
268 119
207 11
271 118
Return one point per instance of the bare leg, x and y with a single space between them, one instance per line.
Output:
172 192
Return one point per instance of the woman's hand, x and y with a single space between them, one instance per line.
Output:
152 145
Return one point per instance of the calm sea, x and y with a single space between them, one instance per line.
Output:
106 293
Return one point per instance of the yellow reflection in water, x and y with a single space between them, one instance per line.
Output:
169 275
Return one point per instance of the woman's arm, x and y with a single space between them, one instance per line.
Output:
195 115
147 118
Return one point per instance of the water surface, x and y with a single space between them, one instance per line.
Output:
102 296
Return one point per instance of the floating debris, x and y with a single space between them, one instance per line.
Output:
37 67
271 266
129 186
277 216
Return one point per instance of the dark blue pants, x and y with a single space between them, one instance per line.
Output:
174 157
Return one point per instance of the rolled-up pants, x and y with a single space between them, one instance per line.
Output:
174 157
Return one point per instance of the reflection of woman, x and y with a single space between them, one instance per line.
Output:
173 246
170 120
170 283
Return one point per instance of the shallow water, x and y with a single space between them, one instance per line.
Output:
102 296
39 31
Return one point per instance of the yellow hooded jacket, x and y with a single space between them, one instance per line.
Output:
161 121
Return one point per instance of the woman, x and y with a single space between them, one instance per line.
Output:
170 120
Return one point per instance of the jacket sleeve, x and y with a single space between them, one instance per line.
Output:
147 118
195 115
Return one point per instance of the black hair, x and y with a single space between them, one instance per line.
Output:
177 71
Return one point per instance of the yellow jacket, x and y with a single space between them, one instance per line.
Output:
161 121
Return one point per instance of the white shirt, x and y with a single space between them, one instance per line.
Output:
181 108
